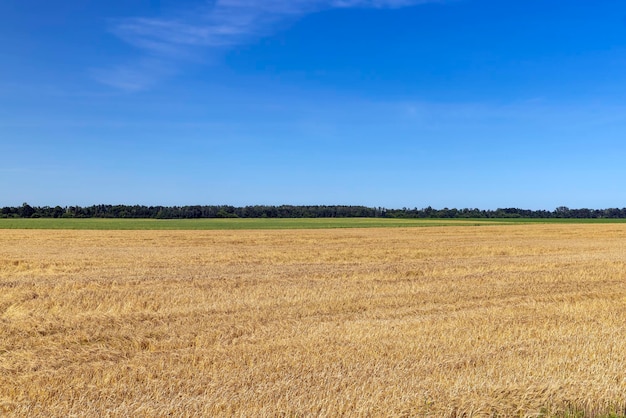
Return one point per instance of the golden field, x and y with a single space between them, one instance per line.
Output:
518 320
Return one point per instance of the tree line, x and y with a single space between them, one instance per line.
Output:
290 211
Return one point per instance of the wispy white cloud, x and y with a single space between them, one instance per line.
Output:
141 74
219 24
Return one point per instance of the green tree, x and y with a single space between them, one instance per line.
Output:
26 211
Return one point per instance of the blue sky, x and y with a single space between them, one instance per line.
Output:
395 103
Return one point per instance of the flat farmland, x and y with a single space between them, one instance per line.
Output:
507 320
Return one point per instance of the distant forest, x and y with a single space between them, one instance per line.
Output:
288 211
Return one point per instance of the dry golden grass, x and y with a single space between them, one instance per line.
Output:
454 321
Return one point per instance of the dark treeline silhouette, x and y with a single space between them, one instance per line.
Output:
289 211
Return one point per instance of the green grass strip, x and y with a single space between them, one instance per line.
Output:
285 223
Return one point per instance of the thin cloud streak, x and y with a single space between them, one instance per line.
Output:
143 74
223 24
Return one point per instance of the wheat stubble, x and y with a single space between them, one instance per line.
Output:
451 321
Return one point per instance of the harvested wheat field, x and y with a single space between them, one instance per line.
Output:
518 320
